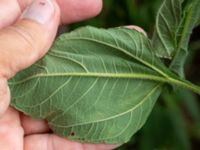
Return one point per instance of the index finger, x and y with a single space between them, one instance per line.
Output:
77 10
71 10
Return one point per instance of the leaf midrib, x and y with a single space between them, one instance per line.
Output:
139 76
97 75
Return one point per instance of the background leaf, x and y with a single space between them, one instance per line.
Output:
191 15
167 25
174 25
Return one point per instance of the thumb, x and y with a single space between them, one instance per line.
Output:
25 42
4 96
30 38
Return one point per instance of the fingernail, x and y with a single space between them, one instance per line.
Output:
40 11
133 27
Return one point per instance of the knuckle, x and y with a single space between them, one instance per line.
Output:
23 35
26 41
19 46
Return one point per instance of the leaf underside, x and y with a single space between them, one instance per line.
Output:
94 85
167 26
88 87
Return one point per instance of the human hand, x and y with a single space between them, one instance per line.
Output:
25 38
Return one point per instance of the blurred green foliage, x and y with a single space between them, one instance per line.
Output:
125 12
175 121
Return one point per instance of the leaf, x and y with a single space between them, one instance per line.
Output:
174 25
178 121
94 85
167 25
196 16
189 22
164 121
190 103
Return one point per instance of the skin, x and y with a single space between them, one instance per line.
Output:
23 42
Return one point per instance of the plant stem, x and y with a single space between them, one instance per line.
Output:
185 84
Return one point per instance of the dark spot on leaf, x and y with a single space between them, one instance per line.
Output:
72 133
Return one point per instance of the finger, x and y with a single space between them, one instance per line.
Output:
10 10
137 28
33 126
8 7
72 10
29 39
4 96
11 132
77 10
53 142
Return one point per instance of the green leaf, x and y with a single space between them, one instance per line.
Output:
167 25
94 85
196 16
190 103
190 19
164 121
174 25
177 119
